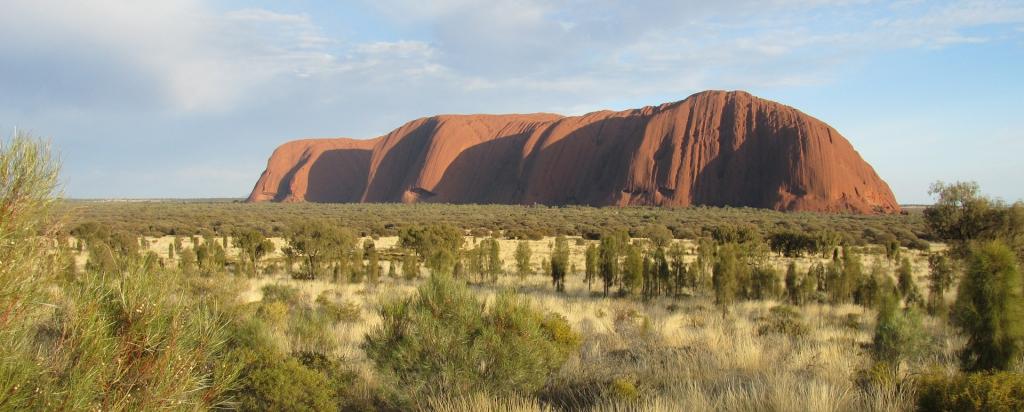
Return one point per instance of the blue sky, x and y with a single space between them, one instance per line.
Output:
186 98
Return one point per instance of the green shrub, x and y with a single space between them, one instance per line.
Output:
134 340
338 311
785 320
989 308
765 283
275 382
623 389
444 340
851 321
898 333
288 295
990 392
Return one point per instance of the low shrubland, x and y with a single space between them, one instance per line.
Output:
643 309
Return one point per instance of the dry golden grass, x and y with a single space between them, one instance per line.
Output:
665 354
681 354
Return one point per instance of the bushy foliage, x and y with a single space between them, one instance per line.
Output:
682 275
985 391
523 254
132 340
659 235
559 263
609 250
444 340
436 244
989 308
940 279
272 379
127 338
253 245
784 320
794 244
765 283
962 215
875 287
728 271
591 261
632 271
316 243
276 382
514 221
905 280
899 335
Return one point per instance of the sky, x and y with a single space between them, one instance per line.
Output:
188 98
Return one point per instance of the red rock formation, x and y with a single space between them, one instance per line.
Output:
714 148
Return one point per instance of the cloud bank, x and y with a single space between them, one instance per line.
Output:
198 88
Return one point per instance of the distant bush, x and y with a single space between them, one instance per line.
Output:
440 342
281 293
990 392
765 283
784 320
515 221
338 311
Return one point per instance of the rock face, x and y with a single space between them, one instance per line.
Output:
714 148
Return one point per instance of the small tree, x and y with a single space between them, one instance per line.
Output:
437 245
765 283
491 253
523 255
725 275
899 335
592 265
317 243
873 288
253 246
649 278
410 267
356 270
632 271
559 263
989 308
659 235
187 261
662 272
810 283
210 256
962 215
372 262
609 254
905 279
702 269
475 261
459 271
892 249
843 276
940 279
793 284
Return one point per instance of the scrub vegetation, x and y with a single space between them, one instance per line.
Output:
222 305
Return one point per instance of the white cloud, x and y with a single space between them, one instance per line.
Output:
184 70
198 59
